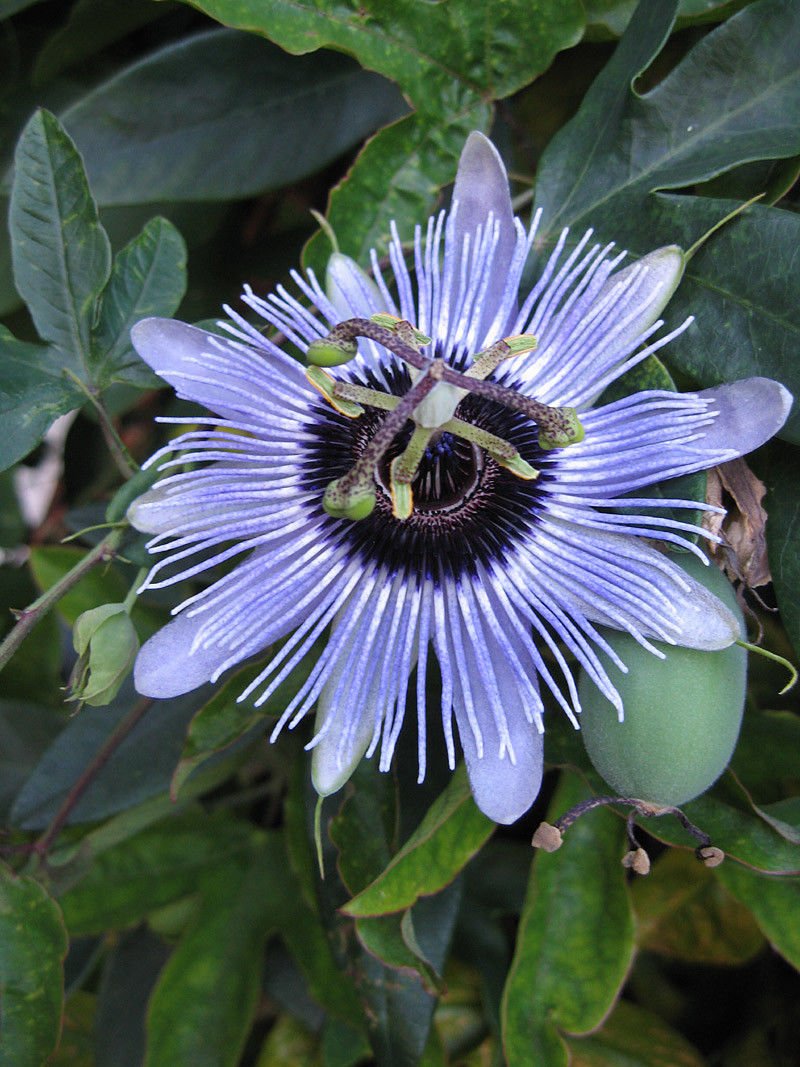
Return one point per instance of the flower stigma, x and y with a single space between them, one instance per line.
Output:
430 403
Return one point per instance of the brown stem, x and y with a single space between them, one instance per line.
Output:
110 746
35 612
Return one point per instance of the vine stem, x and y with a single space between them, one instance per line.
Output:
123 460
101 758
35 612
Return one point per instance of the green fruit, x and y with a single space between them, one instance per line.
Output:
682 713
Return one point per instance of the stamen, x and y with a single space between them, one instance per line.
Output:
503 453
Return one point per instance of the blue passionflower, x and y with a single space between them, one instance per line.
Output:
437 499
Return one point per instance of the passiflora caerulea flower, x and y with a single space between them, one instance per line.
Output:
448 490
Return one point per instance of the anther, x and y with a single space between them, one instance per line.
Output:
487 361
326 385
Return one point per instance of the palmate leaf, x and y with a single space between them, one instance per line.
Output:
438 53
734 98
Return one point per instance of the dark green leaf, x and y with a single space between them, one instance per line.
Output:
33 392
622 146
257 119
633 1037
741 289
774 902
783 536
683 912
609 18
148 278
91 26
438 53
11 7
767 754
26 731
161 864
131 968
33 944
139 769
397 177
62 257
202 1007
448 837
575 940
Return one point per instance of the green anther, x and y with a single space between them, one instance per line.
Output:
345 501
330 352
402 500
327 386
560 429
404 329
517 466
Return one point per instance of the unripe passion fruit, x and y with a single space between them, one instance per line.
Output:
682 713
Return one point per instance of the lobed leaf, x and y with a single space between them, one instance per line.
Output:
774 903
148 278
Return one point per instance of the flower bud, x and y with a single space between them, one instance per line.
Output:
106 643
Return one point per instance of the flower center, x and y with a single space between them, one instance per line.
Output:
467 507
429 404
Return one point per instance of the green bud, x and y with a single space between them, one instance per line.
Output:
330 353
106 643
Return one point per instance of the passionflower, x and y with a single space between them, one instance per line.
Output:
445 489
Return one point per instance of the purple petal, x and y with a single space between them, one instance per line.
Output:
166 666
750 412
352 292
482 187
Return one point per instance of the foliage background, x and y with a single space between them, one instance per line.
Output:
159 901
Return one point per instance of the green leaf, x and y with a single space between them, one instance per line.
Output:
575 940
148 278
61 253
26 730
33 392
397 177
783 536
33 944
684 913
437 53
621 146
202 1007
774 903
609 18
633 1037
256 119
446 840
160 865
289 1044
91 26
767 753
